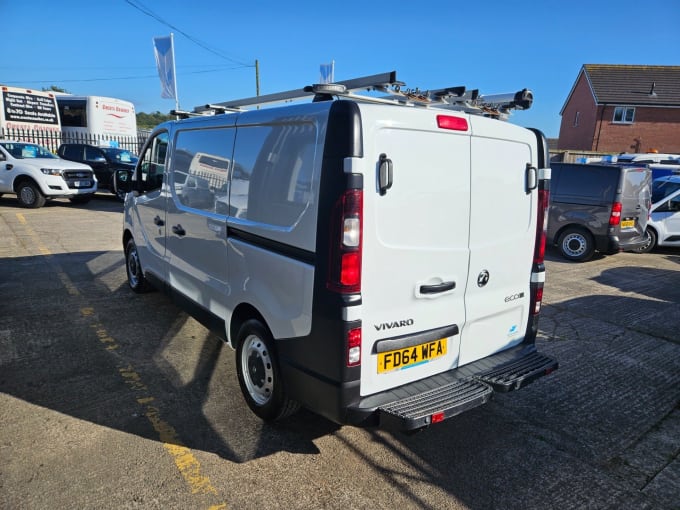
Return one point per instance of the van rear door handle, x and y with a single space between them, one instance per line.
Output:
177 229
436 288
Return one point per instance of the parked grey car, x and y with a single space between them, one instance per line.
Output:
598 208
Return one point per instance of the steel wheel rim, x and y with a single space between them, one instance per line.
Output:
257 369
574 251
27 195
133 267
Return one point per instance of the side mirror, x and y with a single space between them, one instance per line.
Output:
122 181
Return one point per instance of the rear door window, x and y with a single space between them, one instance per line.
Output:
634 181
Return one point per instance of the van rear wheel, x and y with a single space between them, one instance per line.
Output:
576 244
259 375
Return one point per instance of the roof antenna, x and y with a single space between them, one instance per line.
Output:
651 91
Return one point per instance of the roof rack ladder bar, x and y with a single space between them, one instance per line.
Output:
375 81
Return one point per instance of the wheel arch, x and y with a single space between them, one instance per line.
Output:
21 178
574 226
127 235
241 314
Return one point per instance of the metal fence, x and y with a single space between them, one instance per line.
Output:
52 140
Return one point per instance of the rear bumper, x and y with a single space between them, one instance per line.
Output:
448 394
614 244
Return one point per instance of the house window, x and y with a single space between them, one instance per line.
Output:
624 114
576 116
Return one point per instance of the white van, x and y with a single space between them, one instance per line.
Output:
379 260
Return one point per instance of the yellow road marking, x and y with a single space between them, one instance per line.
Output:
185 461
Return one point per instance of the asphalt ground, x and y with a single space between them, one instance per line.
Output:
114 400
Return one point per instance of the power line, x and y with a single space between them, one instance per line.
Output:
142 8
144 77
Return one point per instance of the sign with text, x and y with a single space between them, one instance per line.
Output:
20 107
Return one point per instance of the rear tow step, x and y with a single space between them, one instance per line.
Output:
516 374
434 405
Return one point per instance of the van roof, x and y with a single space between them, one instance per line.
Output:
651 157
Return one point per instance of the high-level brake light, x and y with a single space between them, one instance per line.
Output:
452 122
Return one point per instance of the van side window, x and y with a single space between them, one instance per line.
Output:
201 168
152 163
73 152
276 164
597 185
672 205
93 154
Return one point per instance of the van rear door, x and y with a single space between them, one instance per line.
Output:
415 244
502 237
636 200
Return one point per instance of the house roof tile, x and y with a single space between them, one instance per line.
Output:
634 84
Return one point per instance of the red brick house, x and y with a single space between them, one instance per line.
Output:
623 108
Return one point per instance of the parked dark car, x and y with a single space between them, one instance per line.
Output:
600 208
103 160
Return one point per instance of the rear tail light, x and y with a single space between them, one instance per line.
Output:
536 299
354 347
615 217
344 274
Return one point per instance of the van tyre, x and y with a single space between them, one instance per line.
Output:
135 274
29 195
576 244
259 375
650 241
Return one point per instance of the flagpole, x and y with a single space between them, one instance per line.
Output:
174 69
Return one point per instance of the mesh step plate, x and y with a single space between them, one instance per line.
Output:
518 373
451 399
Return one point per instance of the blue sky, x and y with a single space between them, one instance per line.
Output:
105 47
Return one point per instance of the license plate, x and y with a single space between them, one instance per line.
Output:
409 357
627 223
81 184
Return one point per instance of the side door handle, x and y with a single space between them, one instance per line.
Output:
177 229
158 221
437 288
384 174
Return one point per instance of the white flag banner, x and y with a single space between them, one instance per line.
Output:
165 62
326 72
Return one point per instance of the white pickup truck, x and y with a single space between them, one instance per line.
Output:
34 174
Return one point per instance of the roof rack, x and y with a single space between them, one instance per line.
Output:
454 98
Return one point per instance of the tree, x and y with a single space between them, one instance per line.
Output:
54 88
151 120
